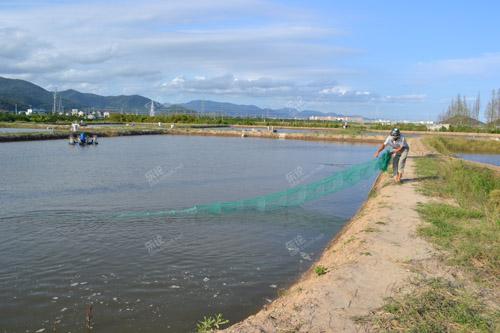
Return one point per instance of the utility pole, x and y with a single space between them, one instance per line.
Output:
15 109
60 107
55 102
152 109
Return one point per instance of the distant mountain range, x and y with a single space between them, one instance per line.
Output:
238 110
26 94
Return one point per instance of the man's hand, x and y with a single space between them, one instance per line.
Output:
376 154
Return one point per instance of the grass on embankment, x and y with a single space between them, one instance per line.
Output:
470 230
465 224
446 145
435 305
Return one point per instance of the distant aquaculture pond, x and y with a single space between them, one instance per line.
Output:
483 158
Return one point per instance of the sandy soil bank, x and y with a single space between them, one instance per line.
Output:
320 136
369 260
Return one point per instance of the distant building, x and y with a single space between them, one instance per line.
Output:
337 118
74 112
31 111
384 122
327 118
393 122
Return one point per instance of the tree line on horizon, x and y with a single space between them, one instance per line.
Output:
460 109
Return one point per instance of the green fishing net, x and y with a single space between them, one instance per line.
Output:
291 197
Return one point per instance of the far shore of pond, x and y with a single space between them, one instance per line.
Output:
62 131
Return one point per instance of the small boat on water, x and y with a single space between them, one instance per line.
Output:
83 139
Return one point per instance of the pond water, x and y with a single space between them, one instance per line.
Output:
483 158
64 245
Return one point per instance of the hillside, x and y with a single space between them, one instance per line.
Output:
133 102
26 94
462 121
203 106
174 108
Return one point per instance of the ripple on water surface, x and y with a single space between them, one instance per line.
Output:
63 246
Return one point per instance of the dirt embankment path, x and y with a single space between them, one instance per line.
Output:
369 260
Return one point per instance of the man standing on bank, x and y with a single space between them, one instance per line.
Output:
399 153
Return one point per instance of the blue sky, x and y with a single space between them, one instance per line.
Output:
387 59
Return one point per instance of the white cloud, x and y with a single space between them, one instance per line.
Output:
347 94
485 64
405 98
337 90
229 85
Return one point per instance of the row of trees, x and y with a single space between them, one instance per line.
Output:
492 111
460 108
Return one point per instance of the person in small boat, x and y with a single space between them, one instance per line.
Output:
400 149
83 138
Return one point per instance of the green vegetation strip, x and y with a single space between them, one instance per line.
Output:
461 145
179 118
